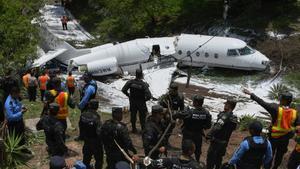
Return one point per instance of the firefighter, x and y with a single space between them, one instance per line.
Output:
71 83
43 79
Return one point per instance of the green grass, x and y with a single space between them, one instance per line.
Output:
293 78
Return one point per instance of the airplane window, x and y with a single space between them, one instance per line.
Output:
179 52
188 53
216 55
232 52
197 54
206 55
246 51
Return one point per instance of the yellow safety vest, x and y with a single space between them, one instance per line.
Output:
284 123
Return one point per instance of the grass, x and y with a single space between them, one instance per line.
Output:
293 78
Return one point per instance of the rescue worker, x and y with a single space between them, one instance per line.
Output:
64 101
294 160
194 122
25 79
91 125
70 83
43 79
64 22
139 94
88 93
114 131
219 135
153 131
32 86
254 152
176 102
184 161
14 115
54 132
284 119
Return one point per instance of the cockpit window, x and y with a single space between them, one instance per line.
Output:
246 51
232 52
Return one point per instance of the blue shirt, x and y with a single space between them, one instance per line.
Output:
89 91
13 109
244 146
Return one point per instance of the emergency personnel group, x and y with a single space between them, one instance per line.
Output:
112 136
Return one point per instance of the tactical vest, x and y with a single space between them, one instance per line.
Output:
89 124
196 121
253 158
284 122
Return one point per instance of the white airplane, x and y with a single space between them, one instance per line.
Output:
186 49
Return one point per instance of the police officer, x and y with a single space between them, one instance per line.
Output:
284 118
220 134
139 94
195 120
114 131
294 160
175 101
54 131
254 151
153 131
184 161
91 125
88 93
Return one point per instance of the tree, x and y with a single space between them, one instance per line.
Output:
18 37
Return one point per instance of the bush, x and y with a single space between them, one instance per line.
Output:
245 120
276 89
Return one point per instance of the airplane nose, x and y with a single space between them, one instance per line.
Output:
260 61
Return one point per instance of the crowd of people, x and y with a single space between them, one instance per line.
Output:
112 137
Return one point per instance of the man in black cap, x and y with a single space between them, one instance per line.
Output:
220 134
115 132
254 151
153 132
195 121
175 101
88 92
284 119
54 131
91 125
138 94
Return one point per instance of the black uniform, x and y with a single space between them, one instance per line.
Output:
176 104
195 120
175 163
54 132
294 160
113 130
279 145
91 125
253 158
220 135
151 134
139 94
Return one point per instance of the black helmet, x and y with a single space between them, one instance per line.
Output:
198 98
256 126
54 108
286 96
139 73
157 109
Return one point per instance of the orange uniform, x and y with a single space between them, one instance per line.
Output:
43 82
25 79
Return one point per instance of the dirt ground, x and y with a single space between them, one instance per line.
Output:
41 159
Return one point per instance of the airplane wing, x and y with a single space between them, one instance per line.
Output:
48 56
